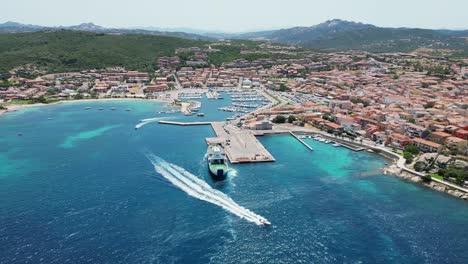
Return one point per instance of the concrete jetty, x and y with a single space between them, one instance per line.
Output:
302 141
241 146
184 123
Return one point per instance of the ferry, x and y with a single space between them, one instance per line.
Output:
217 162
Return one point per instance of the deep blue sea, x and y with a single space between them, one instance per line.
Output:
79 188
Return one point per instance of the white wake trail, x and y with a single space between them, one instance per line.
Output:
199 189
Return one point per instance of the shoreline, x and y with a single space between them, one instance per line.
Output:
396 166
18 107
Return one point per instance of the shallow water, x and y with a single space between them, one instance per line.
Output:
79 188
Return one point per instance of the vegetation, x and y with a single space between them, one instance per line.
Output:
283 88
459 175
328 118
42 100
279 119
359 100
291 119
409 152
62 51
419 166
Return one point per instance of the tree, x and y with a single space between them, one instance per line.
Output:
412 149
283 88
426 178
279 119
78 96
419 166
291 119
408 156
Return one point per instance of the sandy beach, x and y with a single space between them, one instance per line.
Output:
17 107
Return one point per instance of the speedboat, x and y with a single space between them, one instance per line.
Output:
265 222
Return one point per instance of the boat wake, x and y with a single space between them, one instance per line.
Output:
199 189
149 120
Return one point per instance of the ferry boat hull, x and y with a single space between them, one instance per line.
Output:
219 174
217 162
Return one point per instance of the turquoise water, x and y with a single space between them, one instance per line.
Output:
79 188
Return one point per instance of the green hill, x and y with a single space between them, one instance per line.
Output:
61 51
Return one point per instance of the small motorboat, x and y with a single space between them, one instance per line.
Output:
100 109
128 109
20 134
113 108
200 114
87 108
50 118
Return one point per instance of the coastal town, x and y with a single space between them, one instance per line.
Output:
413 104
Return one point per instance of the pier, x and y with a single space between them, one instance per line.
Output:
241 146
302 141
184 123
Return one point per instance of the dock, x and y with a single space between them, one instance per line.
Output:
302 141
240 146
184 123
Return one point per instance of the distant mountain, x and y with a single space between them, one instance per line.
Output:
297 35
345 35
331 35
13 27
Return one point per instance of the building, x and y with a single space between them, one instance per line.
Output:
333 127
156 87
438 137
415 131
426 145
398 140
461 133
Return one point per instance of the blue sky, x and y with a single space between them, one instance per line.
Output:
237 15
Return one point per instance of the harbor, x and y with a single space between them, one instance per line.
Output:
240 146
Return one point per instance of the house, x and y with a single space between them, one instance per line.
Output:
398 140
157 87
458 145
333 127
438 137
461 133
426 145
412 130
379 137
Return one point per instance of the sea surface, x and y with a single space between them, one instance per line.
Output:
79 186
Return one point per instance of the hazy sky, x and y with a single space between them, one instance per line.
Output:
237 15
